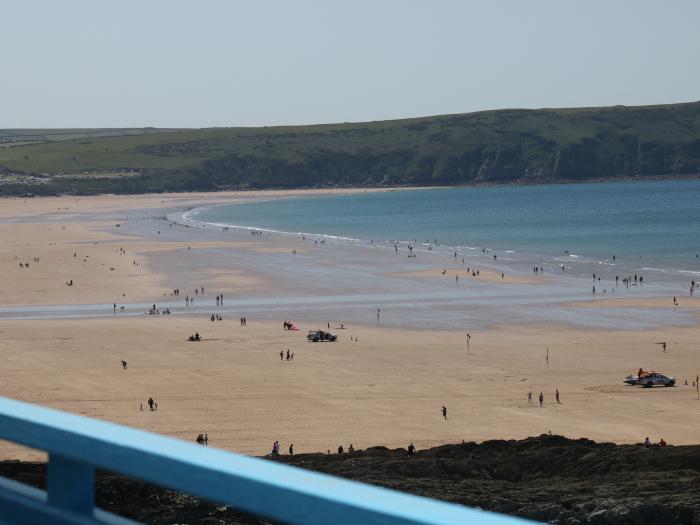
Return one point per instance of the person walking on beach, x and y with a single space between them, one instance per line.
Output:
281 355
124 364
288 356
150 403
556 395
529 397
206 440
444 412
411 449
541 399
291 449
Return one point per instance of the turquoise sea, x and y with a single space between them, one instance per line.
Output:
646 226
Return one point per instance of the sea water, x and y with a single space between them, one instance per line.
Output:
650 227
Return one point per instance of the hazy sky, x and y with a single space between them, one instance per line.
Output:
171 63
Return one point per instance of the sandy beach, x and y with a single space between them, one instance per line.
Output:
61 344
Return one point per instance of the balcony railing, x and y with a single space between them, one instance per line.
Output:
77 445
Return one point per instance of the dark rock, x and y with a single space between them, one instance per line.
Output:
545 478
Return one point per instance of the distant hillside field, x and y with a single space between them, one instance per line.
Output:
504 146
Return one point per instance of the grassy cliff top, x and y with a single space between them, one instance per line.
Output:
509 145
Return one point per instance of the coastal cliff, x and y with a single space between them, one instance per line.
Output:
488 147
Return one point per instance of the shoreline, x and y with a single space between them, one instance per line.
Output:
518 260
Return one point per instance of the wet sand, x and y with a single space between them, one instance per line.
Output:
386 388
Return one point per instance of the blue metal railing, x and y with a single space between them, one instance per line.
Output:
78 445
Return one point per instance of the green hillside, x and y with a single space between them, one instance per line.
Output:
546 145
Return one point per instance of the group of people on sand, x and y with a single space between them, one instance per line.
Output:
152 311
203 439
276 447
152 405
216 317
649 444
290 356
540 398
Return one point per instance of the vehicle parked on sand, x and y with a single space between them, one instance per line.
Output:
631 380
320 335
654 379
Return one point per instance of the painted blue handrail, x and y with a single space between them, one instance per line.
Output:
78 445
